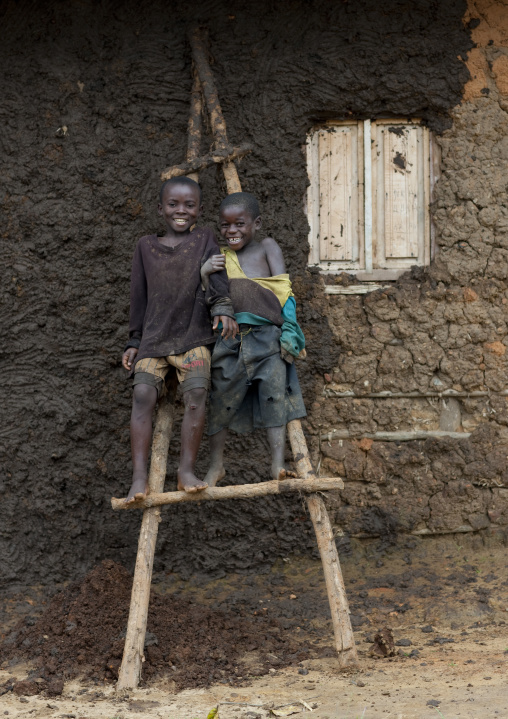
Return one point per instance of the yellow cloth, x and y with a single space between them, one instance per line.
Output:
280 285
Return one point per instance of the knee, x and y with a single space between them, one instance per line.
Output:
195 398
144 397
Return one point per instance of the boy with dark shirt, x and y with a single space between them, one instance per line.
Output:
170 326
254 382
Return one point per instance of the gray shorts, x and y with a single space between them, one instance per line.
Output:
252 386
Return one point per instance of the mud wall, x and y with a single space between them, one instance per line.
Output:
445 329
96 99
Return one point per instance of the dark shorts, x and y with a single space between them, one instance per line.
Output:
252 386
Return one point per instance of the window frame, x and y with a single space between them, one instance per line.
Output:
371 255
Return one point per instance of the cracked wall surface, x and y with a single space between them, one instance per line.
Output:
95 105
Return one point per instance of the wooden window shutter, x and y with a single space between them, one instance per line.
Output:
400 192
392 233
335 198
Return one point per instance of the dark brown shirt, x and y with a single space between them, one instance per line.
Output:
170 312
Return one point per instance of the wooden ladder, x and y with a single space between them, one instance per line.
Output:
133 656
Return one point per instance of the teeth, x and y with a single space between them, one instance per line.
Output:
234 240
180 222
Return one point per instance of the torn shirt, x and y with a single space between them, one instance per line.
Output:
170 311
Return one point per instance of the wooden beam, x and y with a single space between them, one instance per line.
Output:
354 289
200 56
387 394
237 491
339 607
130 669
222 155
194 125
400 436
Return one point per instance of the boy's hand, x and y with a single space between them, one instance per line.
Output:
128 358
215 263
229 326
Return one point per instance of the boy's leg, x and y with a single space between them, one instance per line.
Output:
193 372
261 349
216 471
230 385
143 404
277 441
193 425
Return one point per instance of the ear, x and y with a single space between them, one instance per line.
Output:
257 223
159 208
200 211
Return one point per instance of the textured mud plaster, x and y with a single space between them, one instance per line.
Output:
95 101
441 329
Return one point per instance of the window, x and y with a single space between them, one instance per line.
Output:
368 199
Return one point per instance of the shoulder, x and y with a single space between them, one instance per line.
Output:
205 234
145 241
142 245
269 242
270 246
274 256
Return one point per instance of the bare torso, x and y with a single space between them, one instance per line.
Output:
262 259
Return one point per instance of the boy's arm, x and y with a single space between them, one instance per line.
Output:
292 340
274 256
138 296
217 294
215 263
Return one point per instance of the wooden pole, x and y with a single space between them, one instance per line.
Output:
194 126
200 57
130 669
344 639
191 167
236 491
339 607
400 436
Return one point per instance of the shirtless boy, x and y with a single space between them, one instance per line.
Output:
254 382
170 327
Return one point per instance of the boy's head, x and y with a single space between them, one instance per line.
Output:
180 203
239 218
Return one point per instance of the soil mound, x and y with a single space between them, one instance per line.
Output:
82 631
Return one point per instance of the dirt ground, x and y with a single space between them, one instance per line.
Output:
446 602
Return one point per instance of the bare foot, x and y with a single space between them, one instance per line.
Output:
188 482
139 487
214 475
282 473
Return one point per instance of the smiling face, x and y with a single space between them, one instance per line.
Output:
180 207
237 226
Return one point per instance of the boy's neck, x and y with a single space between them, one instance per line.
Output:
252 245
172 239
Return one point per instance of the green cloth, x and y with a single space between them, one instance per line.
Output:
291 339
247 318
